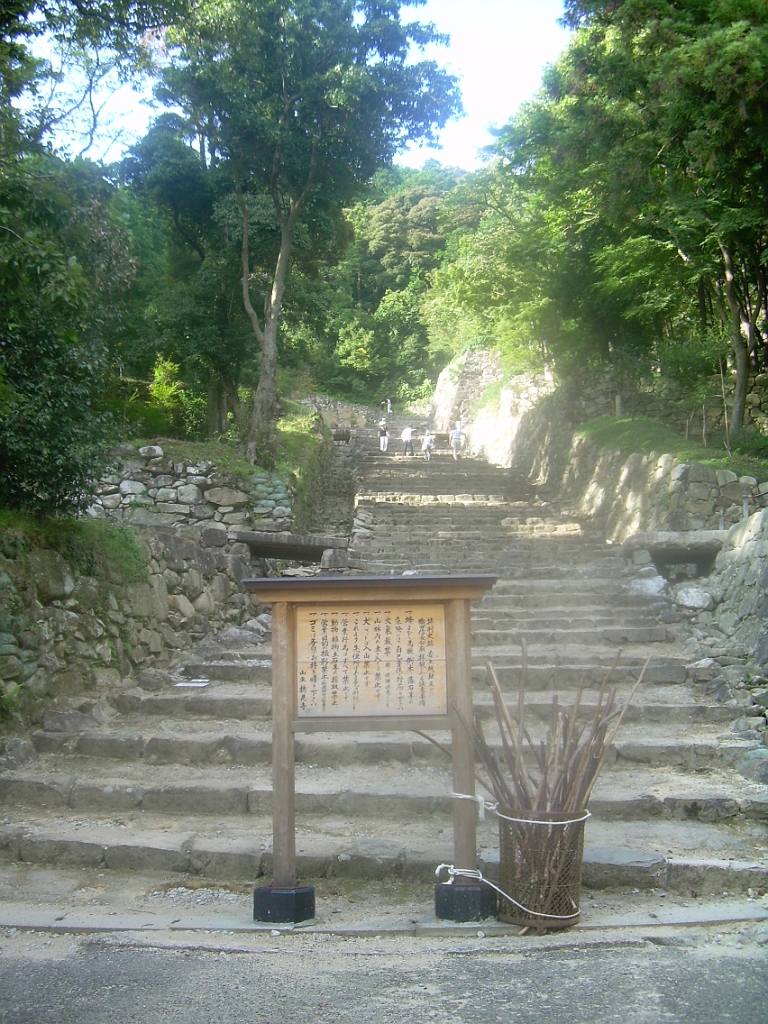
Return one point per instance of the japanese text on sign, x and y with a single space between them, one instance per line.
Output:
371 660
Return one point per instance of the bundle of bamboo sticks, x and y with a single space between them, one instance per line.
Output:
563 768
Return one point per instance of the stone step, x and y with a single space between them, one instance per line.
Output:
585 655
241 701
257 670
546 670
482 638
218 700
421 530
382 561
245 744
433 523
549 677
238 702
662 705
539 604
521 619
625 792
676 856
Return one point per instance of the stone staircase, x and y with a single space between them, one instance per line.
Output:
175 775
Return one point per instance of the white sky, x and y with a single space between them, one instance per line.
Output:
498 49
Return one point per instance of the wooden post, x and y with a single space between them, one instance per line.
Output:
459 678
283 770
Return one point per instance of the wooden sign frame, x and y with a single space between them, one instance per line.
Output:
454 593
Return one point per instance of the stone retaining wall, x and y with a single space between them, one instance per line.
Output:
61 634
599 394
529 426
145 487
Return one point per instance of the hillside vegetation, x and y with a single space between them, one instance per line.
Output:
259 242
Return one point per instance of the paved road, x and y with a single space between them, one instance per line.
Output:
704 978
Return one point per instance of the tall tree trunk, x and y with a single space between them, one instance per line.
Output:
215 403
261 436
742 327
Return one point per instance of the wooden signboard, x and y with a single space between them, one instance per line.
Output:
369 652
363 660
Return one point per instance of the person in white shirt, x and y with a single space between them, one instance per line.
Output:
383 435
407 438
426 446
457 440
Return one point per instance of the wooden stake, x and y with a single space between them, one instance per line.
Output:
283 771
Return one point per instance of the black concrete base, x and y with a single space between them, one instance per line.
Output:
284 906
464 902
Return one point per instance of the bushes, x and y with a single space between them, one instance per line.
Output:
53 433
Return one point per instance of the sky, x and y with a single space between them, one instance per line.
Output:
498 49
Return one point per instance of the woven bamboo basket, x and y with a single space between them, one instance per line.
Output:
540 865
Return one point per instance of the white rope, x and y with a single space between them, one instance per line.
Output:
533 821
482 804
478 877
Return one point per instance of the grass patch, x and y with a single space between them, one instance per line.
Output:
300 437
10 704
97 548
640 434
303 453
491 397
228 456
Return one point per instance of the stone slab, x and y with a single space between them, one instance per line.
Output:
309 547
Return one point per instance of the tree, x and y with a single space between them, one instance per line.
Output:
626 212
300 101
667 102
375 321
64 264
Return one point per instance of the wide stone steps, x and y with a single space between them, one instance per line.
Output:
179 779
520 619
255 670
222 701
567 665
498 637
547 669
540 603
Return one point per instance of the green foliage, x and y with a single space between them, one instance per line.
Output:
166 406
10 704
227 453
64 264
491 397
304 455
623 218
692 365
363 330
293 106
